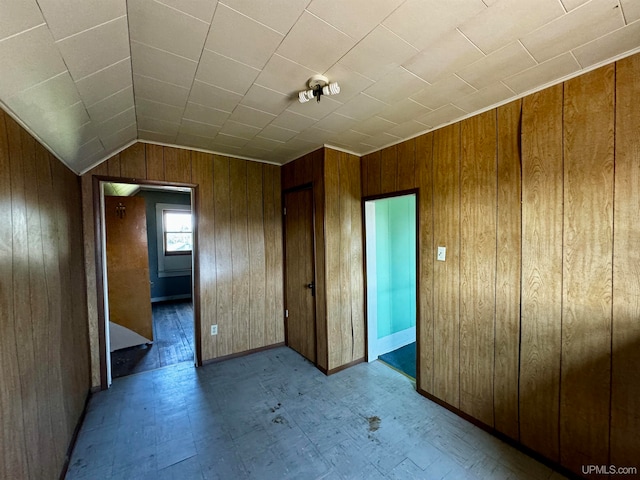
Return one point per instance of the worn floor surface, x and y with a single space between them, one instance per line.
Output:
173 341
273 415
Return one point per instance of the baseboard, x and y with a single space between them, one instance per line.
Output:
74 437
183 296
505 438
343 367
241 354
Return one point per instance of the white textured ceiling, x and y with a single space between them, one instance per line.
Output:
88 77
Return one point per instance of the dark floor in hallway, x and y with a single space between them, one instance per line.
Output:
173 341
402 359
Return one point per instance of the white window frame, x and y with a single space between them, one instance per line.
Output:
170 265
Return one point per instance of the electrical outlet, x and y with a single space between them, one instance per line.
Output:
214 329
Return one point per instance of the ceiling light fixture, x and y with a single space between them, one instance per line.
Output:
319 85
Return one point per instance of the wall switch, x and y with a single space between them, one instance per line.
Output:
214 329
442 254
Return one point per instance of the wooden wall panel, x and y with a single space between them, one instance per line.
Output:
625 383
389 169
224 266
541 304
132 162
343 254
322 347
43 347
407 178
477 264
154 155
425 331
177 164
507 331
587 268
202 174
274 306
446 275
372 181
257 273
113 166
239 254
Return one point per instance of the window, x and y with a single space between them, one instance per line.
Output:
177 232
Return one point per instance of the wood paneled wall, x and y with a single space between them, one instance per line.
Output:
344 259
335 177
44 361
239 243
531 326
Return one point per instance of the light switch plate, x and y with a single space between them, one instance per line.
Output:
442 254
214 329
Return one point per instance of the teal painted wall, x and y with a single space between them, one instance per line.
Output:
396 264
162 286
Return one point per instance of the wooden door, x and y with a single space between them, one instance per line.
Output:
299 273
128 264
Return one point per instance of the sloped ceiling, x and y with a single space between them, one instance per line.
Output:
89 77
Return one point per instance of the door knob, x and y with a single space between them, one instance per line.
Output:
312 286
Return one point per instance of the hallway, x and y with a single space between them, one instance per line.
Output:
173 334
273 415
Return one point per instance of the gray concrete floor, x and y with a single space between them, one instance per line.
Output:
273 415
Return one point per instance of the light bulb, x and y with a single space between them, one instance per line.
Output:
331 89
302 97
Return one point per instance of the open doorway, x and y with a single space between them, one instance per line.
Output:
391 266
148 253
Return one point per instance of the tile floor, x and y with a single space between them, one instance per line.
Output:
273 415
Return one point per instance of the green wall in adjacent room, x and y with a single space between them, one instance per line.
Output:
396 263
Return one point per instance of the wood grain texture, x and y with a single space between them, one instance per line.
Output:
44 384
202 175
446 275
299 272
154 155
274 307
625 384
406 152
541 304
127 255
507 331
132 162
425 329
177 164
344 257
257 272
477 264
587 268
389 169
224 268
239 254
113 166
373 178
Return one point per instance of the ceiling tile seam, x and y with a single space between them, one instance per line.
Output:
182 12
397 35
163 51
103 69
26 31
250 18
160 81
112 95
624 16
330 25
528 52
93 28
472 42
508 87
193 80
563 7
231 58
119 131
161 103
208 107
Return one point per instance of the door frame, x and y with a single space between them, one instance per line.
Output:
306 186
401 193
99 238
